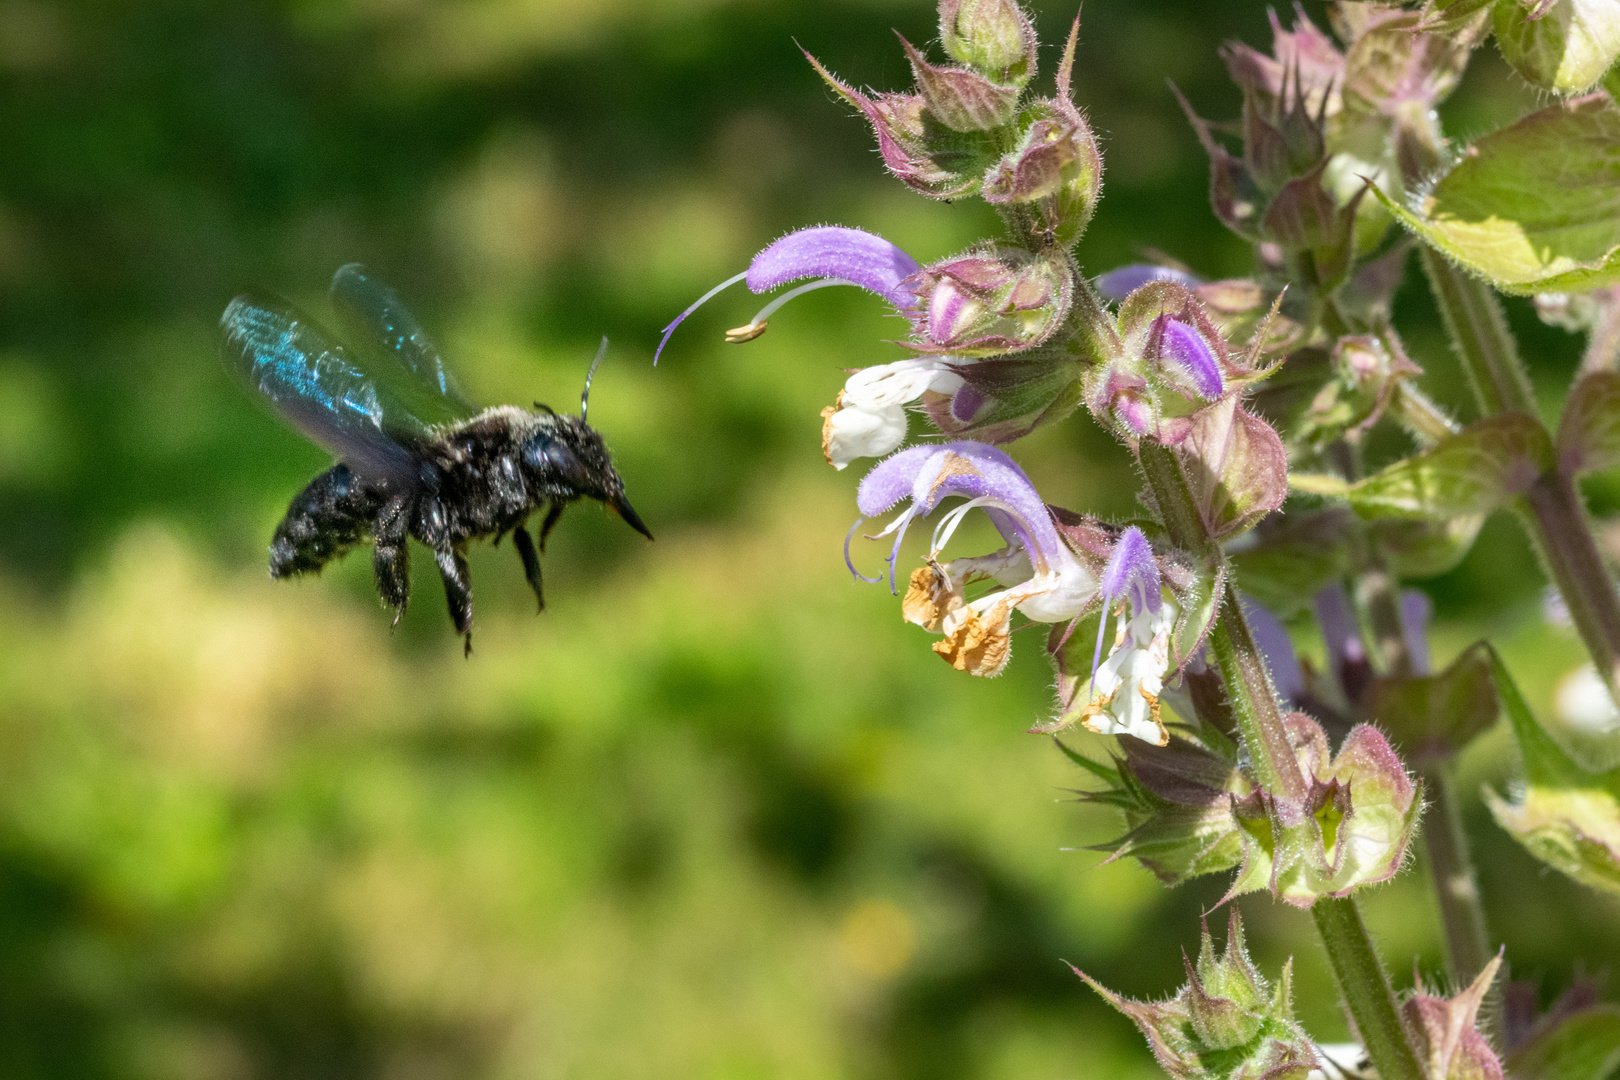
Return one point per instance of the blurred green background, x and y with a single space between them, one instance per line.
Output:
716 813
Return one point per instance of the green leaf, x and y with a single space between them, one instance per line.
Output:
1200 602
1422 549
1472 472
1534 207
1432 717
1585 1046
1565 816
1236 465
1566 49
1291 560
1589 433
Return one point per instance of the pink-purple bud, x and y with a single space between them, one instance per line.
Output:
1178 344
993 37
962 100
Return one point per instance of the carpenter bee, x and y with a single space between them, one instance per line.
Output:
414 458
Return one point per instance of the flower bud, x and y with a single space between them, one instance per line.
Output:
994 37
925 158
994 302
1169 362
962 100
1227 1023
1564 46
1362 377
1446 1034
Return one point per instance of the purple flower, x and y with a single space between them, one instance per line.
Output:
1042 577
1189 355
1125 688
1116 285
832 255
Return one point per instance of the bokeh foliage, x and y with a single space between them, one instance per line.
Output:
716 813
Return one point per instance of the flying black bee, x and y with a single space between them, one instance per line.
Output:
414 458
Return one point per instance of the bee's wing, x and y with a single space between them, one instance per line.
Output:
404 359
315 386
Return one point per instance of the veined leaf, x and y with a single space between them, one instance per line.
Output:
1583 1046
1565 816
1472 472
1534 207
1589 433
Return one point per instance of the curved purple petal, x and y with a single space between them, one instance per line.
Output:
929 475
835 251
891 480
1131 572
1416 611
1116 285
1187 349
1278 649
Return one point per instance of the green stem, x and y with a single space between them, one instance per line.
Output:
1556 518
1254 703
1557 522
1468 947
1243 669
1479 332
1366 989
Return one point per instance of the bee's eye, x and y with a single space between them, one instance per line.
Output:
554 459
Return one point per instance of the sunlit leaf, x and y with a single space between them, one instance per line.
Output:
1534 207
1565 816
1585 1046
1470 473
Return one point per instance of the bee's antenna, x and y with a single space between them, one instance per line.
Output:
585 398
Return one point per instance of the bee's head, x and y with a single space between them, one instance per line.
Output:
566 458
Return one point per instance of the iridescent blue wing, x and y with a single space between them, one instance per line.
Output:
396 350
318 389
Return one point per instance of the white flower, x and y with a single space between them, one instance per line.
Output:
1125 690
869 419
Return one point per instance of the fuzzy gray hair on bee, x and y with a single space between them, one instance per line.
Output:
414 458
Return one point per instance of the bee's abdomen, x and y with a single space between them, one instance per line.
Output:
330 516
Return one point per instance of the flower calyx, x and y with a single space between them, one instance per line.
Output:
950 137
1192 808
1446 1034
1168 361
1226 1023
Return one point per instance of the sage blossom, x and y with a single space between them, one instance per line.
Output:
1039 574
1125 688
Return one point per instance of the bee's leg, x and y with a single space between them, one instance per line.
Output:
391 559
552 515
457 591
531 562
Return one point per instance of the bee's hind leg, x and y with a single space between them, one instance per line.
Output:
531 563
457 591
553 514
391 558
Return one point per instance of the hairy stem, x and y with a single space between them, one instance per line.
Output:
1556 519
1366 989
1479 333
1243 669
1468 947
1563 535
